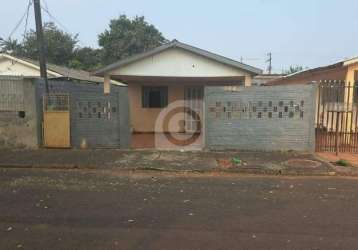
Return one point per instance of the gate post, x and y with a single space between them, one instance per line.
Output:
337 124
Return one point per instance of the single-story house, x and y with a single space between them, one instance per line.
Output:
337 98
173 72
345 70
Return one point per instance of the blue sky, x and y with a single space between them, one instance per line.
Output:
301 32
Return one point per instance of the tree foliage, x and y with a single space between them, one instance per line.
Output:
11 46
60 46
126 37
293 69
86 58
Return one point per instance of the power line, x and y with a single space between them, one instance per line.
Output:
27 18
54 18
21 20
46 9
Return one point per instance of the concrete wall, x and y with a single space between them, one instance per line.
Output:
101 120
244 129
18 98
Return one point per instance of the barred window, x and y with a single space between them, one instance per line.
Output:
154 97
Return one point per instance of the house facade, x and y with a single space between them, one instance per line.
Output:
345 70
337 111
172 73
24 67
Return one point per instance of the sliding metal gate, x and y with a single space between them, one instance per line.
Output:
337 117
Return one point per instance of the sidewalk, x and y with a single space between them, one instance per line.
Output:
285 163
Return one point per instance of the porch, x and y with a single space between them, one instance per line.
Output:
168 112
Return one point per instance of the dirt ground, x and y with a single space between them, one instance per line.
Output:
352 158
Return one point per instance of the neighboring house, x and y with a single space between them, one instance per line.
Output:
265 78
174 71
345 70
337 98
14 66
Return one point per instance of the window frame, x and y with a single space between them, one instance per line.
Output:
163 90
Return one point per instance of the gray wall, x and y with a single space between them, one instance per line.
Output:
233 122
89 121
17 95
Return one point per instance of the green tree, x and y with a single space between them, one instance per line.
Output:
293 69
11 46
126 37
60 45
86 58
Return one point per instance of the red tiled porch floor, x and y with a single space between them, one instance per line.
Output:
161 141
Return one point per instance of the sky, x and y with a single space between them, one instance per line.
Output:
309 33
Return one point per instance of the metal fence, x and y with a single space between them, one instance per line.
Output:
56 102
337 117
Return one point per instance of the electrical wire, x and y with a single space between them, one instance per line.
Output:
51 16
21 20
27 18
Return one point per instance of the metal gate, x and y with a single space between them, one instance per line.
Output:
56 121
193 97
337 118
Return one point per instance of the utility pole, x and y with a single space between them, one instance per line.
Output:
269 60
40 43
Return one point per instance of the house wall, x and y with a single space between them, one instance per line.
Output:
18 95
13 68
245 130
332 74
180 63
143 119
352 73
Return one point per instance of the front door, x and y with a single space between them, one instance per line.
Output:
193 97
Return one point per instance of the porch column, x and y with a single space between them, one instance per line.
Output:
248 81
107 84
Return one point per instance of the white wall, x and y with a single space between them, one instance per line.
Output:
14 68
178 63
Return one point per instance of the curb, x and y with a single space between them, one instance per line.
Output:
251 171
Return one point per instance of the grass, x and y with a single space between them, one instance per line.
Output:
342 162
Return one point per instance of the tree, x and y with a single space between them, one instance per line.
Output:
127 37
124 38
86 58
293 69
60 45
10 46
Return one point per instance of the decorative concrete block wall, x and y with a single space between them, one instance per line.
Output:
261 118
101 120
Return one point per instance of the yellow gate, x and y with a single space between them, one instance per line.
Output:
56 121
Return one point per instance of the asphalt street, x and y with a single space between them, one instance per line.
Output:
77 209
